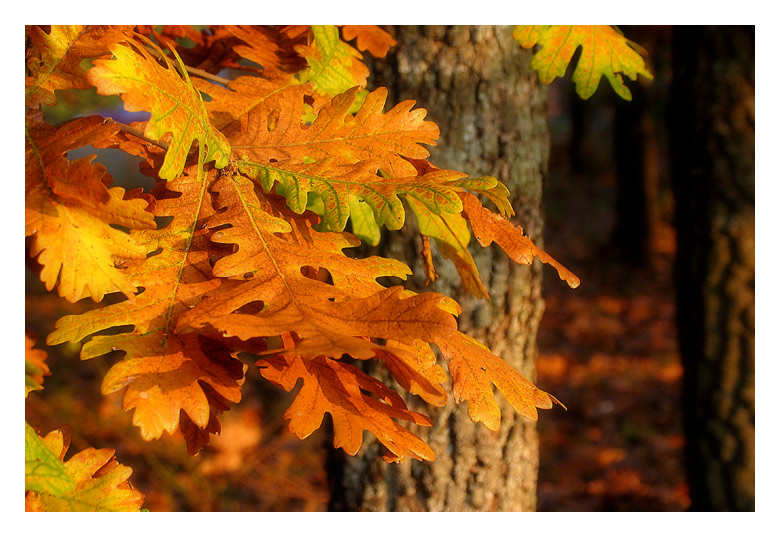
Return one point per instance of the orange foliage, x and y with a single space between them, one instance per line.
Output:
240 248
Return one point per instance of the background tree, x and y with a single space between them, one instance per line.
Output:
477 85
713 142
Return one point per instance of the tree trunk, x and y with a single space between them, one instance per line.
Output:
713 140
636 162
477 85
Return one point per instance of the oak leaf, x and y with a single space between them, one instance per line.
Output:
474 368
344 158
489 227
605 52
54 58
176 107
93 480
35 367
371 38
165 372
334 66
356 402
44 470
70 211
273 48
369 134
329 319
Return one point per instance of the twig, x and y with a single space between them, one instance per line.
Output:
194 70
138 134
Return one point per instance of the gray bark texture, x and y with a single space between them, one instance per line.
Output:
477 85
713 139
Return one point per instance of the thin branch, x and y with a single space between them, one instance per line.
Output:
138 134
194 70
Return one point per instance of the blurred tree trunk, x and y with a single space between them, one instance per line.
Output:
477 85
713 143
636 161
637 151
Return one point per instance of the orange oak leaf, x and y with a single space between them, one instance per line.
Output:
367 135
101 483
164 372
415 368
330 319
176 107
474 368
273 48
489 227
355 401
240 97
371 38
605 52
35 366
54 58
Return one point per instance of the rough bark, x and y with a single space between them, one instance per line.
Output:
713 137
477 86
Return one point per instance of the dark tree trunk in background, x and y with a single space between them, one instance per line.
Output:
637 148
713 143
477 86
636 161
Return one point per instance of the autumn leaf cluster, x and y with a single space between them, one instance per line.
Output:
272 161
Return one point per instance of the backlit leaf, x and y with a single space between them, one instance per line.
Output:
43 469
334 66
489 227
605 52
54 58
70 211
175 105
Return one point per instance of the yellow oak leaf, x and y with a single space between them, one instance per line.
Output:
54 58
176 107
70 213
605 52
